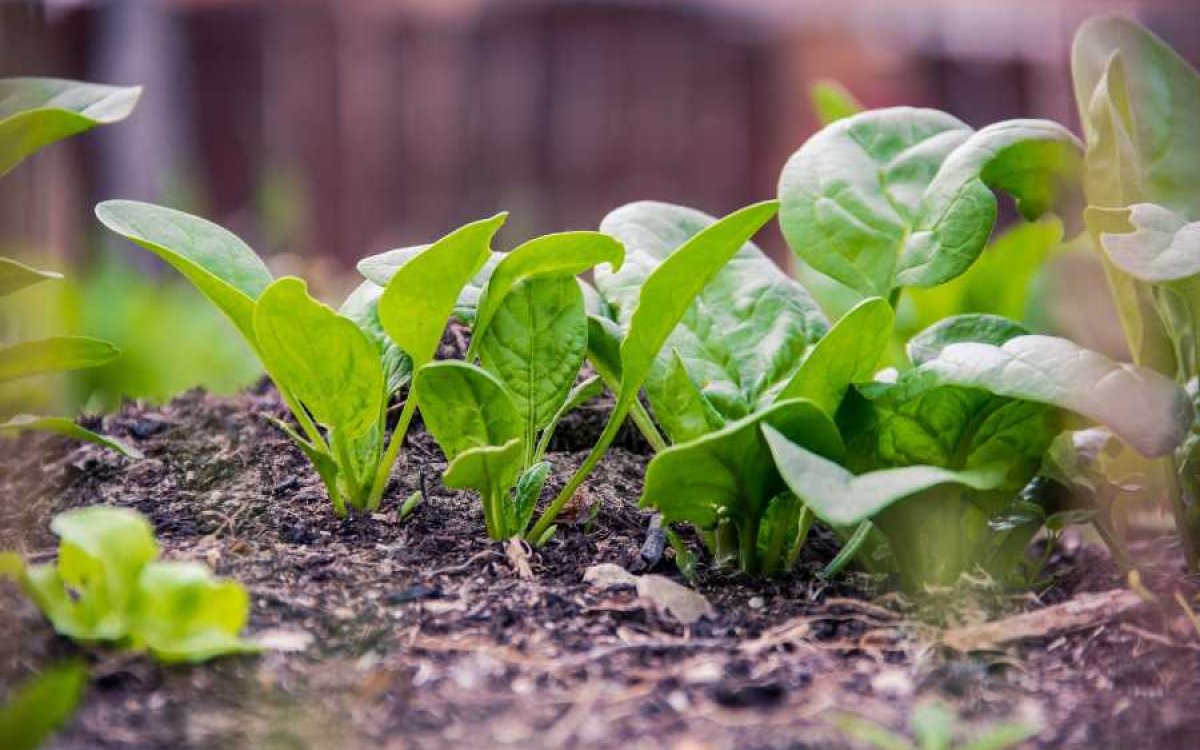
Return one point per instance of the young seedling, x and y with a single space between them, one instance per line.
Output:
336 372
936 726
494 420
108 587
35 112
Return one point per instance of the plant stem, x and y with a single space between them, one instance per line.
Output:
646 426
384 470
1189 533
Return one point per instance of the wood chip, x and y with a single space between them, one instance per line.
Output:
1084 611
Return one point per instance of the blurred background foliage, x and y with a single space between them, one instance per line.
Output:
325 130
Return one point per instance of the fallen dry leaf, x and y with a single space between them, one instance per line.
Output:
290 641
1085 610
680 602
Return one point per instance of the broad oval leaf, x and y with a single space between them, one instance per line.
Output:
682 410
746 329
35 112
903 196
1148 411
219 264
465 407
421 295
848 353
567 254
977 327
535 345
54 354
15 276
320 356
491 470
842 499
1161 247
69 429
729 473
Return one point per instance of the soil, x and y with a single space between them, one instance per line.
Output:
424 633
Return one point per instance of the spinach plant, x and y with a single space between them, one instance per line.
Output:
494 420
107 586
1139 102
35 112
335 371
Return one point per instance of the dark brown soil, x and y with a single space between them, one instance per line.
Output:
424 635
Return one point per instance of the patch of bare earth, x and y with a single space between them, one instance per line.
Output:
424 633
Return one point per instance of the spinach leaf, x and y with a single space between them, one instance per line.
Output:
491 470
848 353
535 344
665 296
904 196
466 407
744 333
37 708
35 112
728 476
362 307
219 264
181 613
320 356
379 269
54 354
987 329
67 428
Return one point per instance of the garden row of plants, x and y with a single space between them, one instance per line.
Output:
765 416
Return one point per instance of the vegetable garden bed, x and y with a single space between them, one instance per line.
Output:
424 634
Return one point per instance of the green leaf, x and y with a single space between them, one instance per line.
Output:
729 474
69 429
1161 247
604 348
220 265
848 353
535 345
466 407
665 297
744 332
526 494
40 706
1139 102
54 354
15 276
379 269
552 256
184 614
682 410
831 101
1146 410
932 723
35 112
904 196
840 498
985 329
421 295
362 307
490 470
321 357
101 553
583 392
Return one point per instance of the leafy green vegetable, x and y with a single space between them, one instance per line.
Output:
40 706
494 421
663 300
832 101
741 338
107 586
35 112
727 478
904 196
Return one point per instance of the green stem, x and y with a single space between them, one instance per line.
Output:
646 426
589 463
1189 534
346 469
384 470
